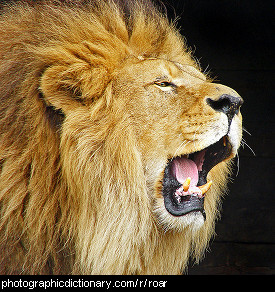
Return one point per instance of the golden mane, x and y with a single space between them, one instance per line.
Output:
50 221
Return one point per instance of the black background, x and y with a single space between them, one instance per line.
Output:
234 40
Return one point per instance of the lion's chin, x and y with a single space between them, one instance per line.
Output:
193 220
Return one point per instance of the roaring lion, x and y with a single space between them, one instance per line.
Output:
115 148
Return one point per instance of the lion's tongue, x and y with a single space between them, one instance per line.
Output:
183 168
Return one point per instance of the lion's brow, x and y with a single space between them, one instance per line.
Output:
181 67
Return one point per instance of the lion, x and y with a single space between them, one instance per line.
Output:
115 147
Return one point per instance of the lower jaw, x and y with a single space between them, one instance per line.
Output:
186 206
193 220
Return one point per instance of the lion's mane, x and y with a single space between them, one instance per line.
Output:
73 196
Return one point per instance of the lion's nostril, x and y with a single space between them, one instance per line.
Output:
227 104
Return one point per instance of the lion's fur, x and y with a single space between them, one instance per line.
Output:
73 192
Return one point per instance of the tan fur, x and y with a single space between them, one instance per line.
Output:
83 194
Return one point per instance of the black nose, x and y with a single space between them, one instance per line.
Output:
228 104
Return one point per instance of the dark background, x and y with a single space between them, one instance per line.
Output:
234 39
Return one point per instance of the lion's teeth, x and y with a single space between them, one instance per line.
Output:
205 187
186 184
224 141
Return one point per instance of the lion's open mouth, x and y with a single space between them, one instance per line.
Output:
185 178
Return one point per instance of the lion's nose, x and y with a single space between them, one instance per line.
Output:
228 104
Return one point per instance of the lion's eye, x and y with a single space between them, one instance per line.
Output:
164 83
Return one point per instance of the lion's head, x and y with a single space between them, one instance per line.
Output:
111 137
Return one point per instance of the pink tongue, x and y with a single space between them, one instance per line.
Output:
183 168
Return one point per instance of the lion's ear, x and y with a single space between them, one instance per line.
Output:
60 89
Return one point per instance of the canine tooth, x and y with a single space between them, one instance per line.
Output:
186 184
224 141
205 187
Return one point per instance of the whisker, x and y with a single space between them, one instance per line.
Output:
205 71
245 144
238 164
247 132
183 144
